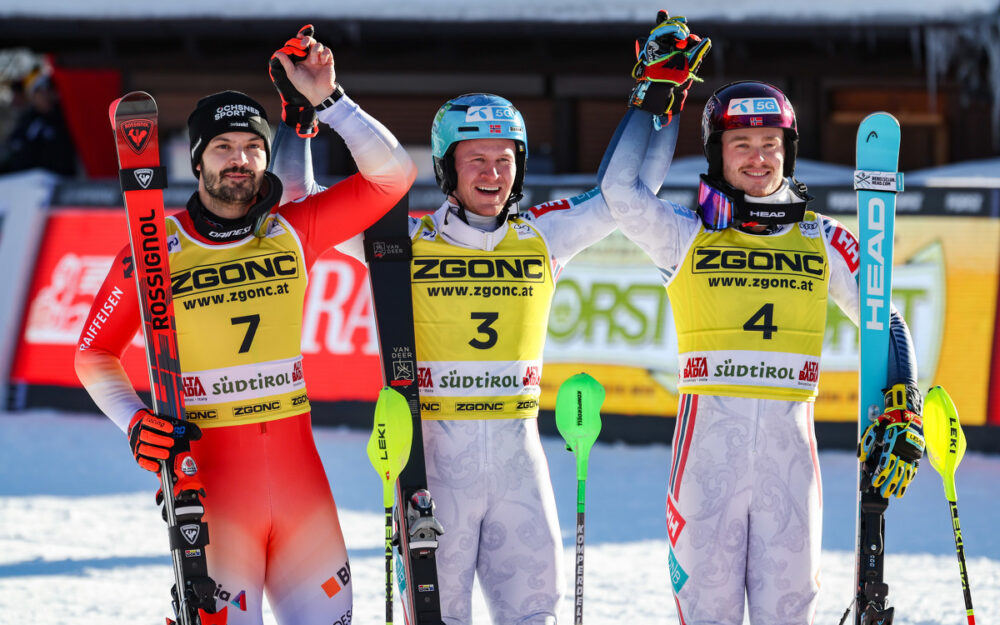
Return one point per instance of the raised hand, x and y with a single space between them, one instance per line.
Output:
667 62
296 110
313 76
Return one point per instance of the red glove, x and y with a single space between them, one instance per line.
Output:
154 438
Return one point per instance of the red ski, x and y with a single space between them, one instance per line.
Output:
134 121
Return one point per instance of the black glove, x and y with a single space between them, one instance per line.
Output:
667 61
296 111
154 438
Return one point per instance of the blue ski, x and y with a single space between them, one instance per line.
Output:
877 182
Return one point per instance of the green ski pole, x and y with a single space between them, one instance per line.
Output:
945 448
388 451
578 417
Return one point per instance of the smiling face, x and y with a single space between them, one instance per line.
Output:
753 159
485 170
232 169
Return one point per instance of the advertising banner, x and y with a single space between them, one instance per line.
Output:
610 317
24 197
339 342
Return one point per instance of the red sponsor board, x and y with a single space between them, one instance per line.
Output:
338 336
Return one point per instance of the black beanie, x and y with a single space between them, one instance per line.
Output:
226 111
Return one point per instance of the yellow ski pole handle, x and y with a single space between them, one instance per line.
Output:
388 451
945 448
943 436
390 440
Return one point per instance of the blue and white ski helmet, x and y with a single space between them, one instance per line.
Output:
476 116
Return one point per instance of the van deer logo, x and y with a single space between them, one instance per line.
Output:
136 133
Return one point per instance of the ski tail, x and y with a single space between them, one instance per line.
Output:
134 122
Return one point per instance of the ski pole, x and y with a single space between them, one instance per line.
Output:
388 451
578 417
945 448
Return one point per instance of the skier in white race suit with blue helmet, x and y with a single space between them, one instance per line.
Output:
483 277
749 274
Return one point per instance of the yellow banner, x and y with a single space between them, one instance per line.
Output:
611 318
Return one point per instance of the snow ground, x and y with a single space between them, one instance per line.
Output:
81 541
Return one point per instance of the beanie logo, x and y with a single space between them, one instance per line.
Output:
136 133
235 110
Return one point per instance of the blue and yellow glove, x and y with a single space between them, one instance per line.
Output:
667 62
895 440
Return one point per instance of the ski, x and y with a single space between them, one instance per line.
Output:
388 250
877 182
134 121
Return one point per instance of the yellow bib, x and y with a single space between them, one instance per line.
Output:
239 325
480 320
750 313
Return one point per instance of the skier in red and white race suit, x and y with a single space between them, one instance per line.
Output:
239 267
483 275
749 274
